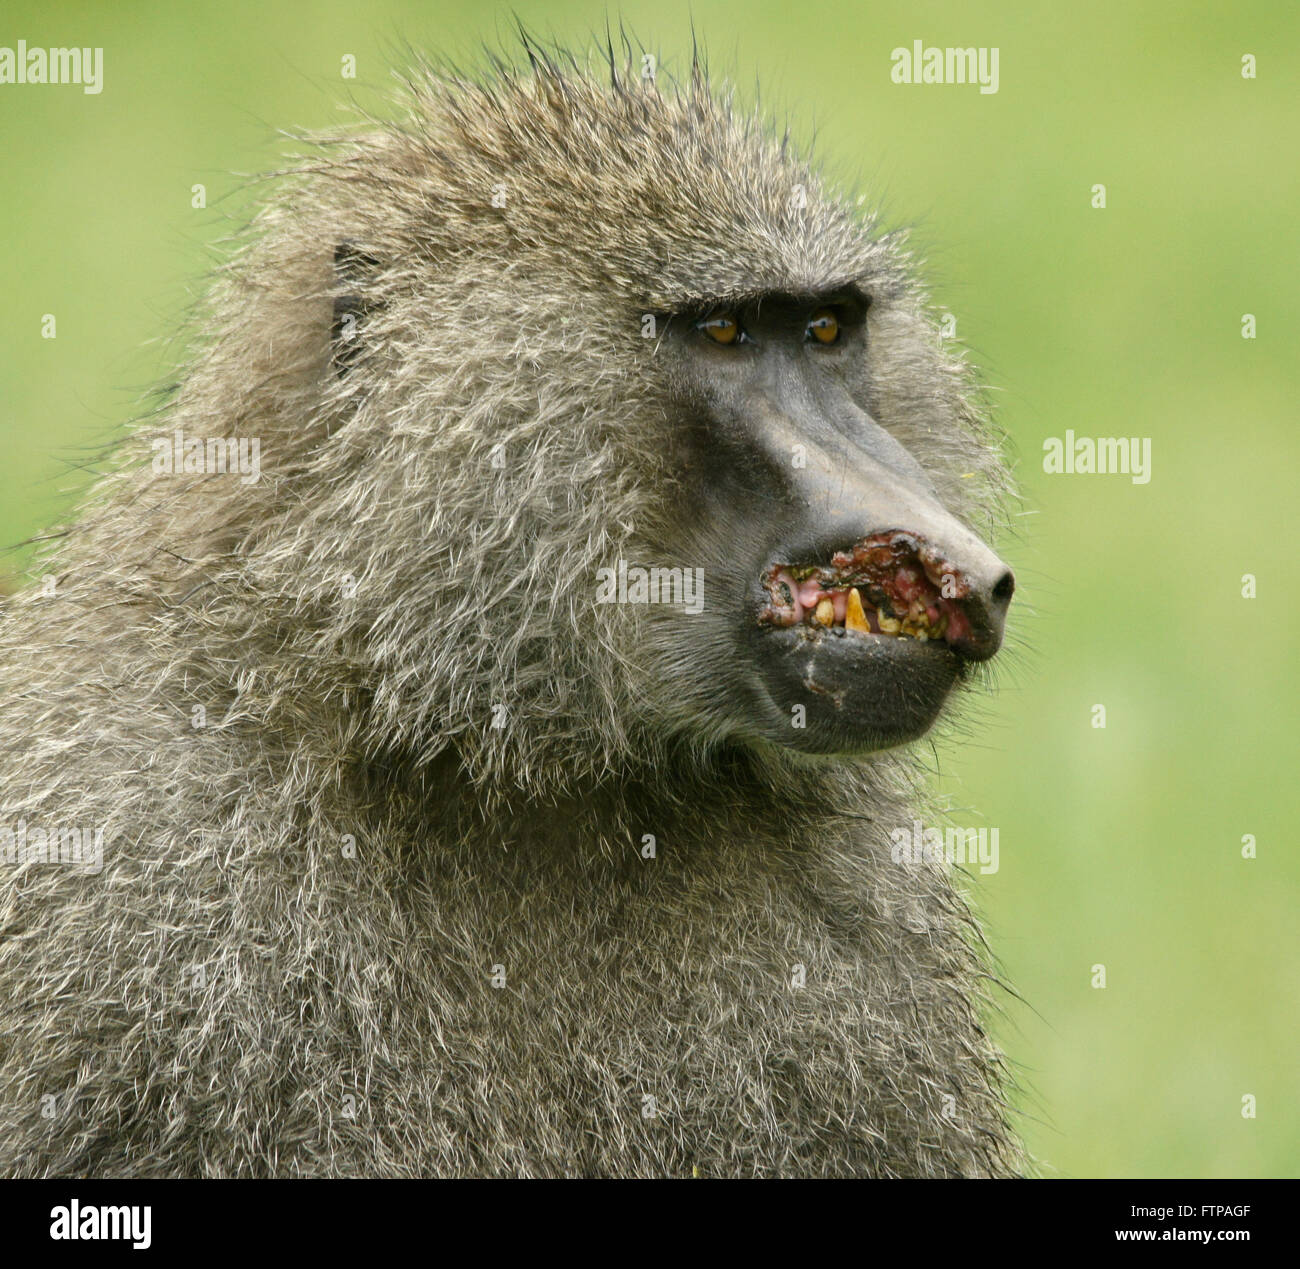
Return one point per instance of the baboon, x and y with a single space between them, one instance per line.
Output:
418 857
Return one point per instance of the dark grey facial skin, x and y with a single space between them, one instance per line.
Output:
787 462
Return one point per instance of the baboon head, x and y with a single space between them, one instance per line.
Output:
590 318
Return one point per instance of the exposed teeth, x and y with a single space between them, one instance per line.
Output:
854 616
882 587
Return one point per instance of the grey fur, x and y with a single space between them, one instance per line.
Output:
349 622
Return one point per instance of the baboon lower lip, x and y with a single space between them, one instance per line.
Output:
890 584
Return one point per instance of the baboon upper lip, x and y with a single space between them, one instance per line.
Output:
888 584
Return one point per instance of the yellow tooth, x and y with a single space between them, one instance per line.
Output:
826 612
888 625
854 617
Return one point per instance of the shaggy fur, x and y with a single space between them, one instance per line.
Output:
286 965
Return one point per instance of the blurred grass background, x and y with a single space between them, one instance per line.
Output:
1118 846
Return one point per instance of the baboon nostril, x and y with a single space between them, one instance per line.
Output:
1006 586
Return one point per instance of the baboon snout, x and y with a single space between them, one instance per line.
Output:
885 557
869 547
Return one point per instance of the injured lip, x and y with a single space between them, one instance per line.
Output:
891 584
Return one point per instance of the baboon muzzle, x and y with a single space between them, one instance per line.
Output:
876 554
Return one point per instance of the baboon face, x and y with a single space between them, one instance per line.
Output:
852 592
686 354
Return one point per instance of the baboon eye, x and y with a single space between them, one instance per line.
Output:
722 328
824 326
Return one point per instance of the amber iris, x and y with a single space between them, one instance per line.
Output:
824 326
722 328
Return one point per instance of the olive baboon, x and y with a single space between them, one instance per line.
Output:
418 857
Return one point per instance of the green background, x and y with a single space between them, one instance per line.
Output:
1119 846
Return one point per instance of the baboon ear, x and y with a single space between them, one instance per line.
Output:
354 270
